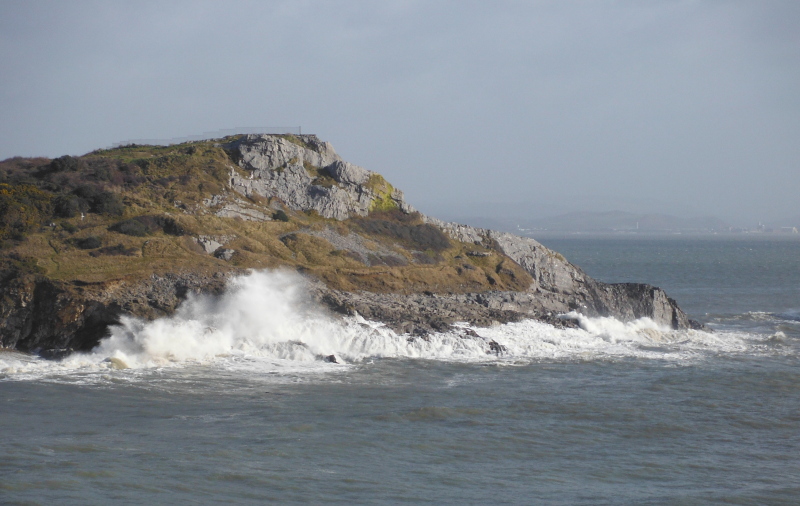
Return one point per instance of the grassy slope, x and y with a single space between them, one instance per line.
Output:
172 181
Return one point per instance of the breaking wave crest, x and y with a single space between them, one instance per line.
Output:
265 323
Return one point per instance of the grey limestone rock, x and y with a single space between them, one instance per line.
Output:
235 210
560 286
212 243
224 254
269 152
227 206
348 173
209 245
549 269
306 175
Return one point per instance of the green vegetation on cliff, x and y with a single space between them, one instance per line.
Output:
383 193
134 211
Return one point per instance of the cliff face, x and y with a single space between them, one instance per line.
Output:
307 174
37 314
190 216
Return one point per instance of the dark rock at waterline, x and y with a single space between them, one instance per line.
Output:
55 353
53 318
423 313
41 315
496 348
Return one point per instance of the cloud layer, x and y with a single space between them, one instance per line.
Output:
672 106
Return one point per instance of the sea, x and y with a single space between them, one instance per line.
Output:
237 399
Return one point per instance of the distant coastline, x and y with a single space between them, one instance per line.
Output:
665 235
623 223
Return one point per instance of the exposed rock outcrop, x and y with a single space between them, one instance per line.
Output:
560 286
307 174
516 277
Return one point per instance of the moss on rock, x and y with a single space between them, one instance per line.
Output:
382 194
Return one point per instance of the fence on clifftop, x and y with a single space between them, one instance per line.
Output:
213 135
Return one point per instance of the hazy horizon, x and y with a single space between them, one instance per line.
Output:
676 107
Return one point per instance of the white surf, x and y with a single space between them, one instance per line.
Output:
265 322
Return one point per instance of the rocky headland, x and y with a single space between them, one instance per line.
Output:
133 230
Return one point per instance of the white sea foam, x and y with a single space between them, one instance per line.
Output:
264 323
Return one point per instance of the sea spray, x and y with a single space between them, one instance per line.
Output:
613 330
257 311
266 322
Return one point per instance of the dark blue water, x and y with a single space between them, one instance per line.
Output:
684 418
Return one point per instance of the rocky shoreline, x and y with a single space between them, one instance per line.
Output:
53 319
489 277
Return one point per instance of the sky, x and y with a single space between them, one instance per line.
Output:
511 108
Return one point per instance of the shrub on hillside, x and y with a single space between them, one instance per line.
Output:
22 208
90 242
132 227
119 249
69 227
108 203
100 201
69 206
65 163
146 225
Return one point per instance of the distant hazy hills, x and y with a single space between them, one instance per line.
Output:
610 221
622 221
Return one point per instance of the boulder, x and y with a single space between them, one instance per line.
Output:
347 173
224 254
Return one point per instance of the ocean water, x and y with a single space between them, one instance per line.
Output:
231 400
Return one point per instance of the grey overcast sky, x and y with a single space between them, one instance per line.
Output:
539 107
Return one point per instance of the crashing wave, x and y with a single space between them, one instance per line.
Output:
265 322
